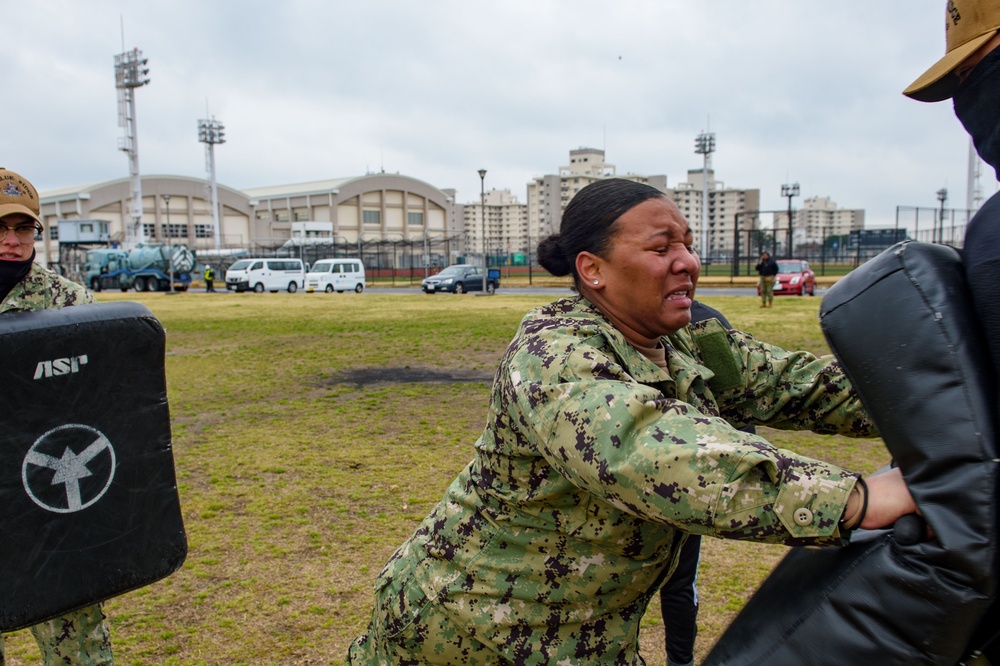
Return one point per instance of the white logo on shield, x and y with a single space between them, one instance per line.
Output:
85 476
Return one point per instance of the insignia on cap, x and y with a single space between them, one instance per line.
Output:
12 190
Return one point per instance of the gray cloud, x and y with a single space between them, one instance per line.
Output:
794 91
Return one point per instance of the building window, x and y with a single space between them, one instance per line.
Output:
415 219
204 231
54 232
281 217
149 230
371 216
173 230
263 215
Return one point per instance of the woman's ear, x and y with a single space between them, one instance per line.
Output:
588 267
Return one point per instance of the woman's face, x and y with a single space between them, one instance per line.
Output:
647 277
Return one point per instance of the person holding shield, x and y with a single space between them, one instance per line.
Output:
81 636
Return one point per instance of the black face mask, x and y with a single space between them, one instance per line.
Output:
12 272
977 105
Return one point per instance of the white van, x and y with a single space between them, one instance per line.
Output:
336 275
270 274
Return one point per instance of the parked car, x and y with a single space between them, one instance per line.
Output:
794 277
460 278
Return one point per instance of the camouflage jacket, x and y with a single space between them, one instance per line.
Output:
41 289
593 465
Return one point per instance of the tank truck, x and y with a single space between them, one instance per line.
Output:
147 267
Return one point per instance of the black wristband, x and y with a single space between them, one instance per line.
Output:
864 503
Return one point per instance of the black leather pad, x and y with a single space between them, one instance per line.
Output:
903 327
87 487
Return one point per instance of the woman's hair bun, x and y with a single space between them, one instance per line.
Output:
552 258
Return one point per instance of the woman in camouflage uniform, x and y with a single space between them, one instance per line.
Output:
80 637
611 434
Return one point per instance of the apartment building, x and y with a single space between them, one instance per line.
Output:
549 194
503 219
730 212
820 218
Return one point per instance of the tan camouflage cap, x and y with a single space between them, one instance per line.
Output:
968 25
17 195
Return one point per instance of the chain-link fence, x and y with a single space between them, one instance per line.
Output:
928 225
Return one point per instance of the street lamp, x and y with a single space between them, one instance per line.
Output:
482 212
170 243
704 144
427 253
790 191
942 196
823 250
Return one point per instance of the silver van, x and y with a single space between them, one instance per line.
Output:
270 274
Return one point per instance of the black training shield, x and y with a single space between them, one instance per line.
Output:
87 488
903 327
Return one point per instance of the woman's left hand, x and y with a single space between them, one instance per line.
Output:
888 499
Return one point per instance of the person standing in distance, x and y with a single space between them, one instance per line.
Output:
767 268
82 636
209 278
969 75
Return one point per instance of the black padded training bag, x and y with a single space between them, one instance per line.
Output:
904 329
87 487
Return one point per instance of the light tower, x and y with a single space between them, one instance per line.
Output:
211 132
789 191
131 73
704 144
942 196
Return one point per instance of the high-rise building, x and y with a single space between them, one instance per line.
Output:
549 194
820 218
726 208
506 224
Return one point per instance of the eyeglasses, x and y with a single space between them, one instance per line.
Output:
24 232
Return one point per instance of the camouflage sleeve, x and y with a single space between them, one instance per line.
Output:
661 459
770 386
65 292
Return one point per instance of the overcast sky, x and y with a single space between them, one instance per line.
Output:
794 90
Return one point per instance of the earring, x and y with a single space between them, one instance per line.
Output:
595 282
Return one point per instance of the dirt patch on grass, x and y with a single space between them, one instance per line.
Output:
362 377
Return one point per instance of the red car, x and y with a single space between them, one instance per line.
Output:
794 277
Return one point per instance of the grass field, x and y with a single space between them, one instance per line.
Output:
312 432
